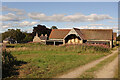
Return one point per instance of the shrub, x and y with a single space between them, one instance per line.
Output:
7 64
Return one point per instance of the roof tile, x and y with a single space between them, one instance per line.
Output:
58 33
86 34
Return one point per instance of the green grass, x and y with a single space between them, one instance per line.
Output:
91 72
44 61
50 65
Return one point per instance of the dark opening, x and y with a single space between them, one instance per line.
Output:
71 36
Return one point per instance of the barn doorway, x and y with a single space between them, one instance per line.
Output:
72 39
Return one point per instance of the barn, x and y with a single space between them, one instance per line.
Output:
80 36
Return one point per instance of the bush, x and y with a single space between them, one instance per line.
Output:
8 62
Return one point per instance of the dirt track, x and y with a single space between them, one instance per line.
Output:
78 71
108 70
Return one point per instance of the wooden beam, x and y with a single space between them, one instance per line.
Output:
111 44
54 42
98 40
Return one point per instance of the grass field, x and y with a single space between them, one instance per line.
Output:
45 61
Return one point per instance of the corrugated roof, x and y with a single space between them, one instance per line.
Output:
58 33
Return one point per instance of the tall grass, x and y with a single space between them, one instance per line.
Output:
64 49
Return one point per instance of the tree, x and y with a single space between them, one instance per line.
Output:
17 34
41 29
28 37
54 27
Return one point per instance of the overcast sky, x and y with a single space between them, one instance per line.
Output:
83 15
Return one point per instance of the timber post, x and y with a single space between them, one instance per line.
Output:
110 44
54 43
63 41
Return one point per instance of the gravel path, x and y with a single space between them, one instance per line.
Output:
108 70
78 71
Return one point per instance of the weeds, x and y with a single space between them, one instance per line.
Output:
85 48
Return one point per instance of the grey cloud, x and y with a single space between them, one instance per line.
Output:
95 24
11 17
18 24
69 18
18 11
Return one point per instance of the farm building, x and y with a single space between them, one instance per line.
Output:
79 36
42 38
9 40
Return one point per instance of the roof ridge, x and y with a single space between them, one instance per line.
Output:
96 29
61 29
76 29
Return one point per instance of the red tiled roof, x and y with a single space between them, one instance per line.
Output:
58 33
79 32
114 35
86 34
97 34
